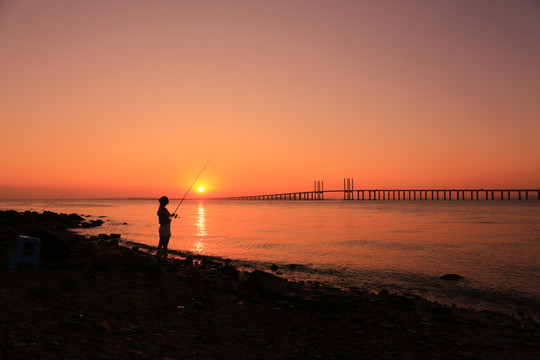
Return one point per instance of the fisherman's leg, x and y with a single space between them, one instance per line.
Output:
158 251
165 245
160 248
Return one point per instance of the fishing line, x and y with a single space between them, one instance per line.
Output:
49 204
193 183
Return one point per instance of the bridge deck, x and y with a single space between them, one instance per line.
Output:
402 194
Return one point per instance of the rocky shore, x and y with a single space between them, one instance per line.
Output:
92 298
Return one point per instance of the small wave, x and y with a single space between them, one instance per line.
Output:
265 245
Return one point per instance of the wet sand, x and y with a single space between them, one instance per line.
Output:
107 301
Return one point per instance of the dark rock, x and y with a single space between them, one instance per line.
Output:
451 277
270 285
384 292
274 267
103 236
142 262
229 270
112 243
75 218
188 261
115 236
210 263
92 223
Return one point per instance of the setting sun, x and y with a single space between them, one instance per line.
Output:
201 188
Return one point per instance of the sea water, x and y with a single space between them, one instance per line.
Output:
403 246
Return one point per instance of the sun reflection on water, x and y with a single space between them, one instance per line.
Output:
200 244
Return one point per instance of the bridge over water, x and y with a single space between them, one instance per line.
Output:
349 193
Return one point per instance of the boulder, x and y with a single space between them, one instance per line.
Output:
210 263
229 270
92 223
270 285
188 261
75 218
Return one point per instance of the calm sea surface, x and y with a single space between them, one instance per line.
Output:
404 246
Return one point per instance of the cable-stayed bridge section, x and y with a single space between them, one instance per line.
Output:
350 193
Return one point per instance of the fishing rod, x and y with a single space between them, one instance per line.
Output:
49 204
193 183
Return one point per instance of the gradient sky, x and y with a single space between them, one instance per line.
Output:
131 98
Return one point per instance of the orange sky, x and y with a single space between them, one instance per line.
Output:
131 98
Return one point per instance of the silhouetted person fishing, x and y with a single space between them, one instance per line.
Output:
165 218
